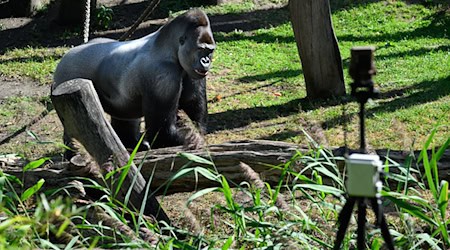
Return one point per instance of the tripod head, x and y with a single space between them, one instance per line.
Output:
362 68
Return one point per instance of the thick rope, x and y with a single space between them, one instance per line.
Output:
87 17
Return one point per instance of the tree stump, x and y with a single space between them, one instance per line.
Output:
79 109
317 47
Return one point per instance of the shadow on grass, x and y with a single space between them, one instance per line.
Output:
424 92
276 74
413 52
282 136
242 117
43 31
348 4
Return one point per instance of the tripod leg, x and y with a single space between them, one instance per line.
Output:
362 223
381 222
343 220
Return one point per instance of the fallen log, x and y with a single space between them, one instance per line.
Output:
79 109
162 164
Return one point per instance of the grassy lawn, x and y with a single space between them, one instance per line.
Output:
256 90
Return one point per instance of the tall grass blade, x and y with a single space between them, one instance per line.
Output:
443 198
146 196
201 193
32 190
35 164
409 208
196 159
427 143
72 243
321 188
126 168
438 155
48 244
228 243
429 173
428 239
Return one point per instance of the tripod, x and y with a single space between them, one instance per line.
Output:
362 69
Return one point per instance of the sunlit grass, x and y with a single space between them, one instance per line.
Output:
35 63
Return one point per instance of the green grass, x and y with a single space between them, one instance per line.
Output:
35 63
258 79
412 59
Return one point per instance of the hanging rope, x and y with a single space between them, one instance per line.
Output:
87 17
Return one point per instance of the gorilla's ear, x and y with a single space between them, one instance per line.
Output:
182 39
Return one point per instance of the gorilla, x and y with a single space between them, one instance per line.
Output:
151 77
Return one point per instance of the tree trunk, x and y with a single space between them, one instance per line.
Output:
82 116
318 48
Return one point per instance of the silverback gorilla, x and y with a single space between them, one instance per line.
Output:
151 77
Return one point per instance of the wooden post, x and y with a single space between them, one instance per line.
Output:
82 116
317 47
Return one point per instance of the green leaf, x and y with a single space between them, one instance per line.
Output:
72 243
442 150
228 243
409 208
376 244
427 143
430 240
196 159
443 198
321 188
35 164
201 193
32 190
126 168
428 172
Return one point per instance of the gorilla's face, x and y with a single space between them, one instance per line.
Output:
196 50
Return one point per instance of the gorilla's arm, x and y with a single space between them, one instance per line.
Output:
160 108
193 101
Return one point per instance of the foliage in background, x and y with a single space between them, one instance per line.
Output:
103 17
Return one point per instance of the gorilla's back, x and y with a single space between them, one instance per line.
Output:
82 61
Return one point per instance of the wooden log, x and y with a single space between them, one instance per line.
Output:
162 164
318 48
79 109
260 155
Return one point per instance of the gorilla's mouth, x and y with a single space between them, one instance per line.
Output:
201 72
